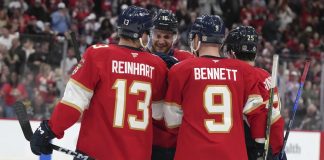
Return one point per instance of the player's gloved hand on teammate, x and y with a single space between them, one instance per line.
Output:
40 141
257 152
169 60
280 156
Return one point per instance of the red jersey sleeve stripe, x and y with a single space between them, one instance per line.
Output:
72 105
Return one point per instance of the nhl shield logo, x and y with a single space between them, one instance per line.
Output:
134 55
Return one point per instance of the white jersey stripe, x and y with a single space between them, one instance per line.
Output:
157 110
253 102
172 114
77 95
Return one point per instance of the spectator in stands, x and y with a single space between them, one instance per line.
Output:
293 85
69 62
4 19
90 27
29 81
35 60
39 107
104 32
12 58
53 93
18 4
60 19
6 38
307 92
12 91
285 15
32 27
270 29
39 10
27 49
44 76
47 29
4 70
312 119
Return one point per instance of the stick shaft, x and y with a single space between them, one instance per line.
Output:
270 104
292 116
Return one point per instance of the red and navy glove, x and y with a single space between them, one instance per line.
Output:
169 60
40 141
280 156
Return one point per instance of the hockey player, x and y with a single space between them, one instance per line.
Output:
207 97
164 35
241 43
112 88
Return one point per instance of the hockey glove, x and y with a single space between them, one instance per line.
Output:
278 156
40 141
257 151
169 60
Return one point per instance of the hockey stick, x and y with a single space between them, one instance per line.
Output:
273 85
22 116
72 37
292 117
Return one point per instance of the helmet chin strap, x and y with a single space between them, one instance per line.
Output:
147 44
233 54
174 39
194 50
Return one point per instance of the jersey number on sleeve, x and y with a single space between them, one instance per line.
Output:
142 105
223 108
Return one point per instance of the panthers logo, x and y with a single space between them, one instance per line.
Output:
78 66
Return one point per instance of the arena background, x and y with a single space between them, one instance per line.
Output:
36 59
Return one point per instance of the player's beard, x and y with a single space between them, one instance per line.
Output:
161 48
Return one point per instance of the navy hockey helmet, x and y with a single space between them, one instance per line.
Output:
209 28
133 22
243 41
166 20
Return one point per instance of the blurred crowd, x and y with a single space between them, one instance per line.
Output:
35 61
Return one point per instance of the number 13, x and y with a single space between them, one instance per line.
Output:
120 104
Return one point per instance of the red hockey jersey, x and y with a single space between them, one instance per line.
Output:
114 86
182 54
277 122
208 97
162 136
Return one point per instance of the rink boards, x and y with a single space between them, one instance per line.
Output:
13 146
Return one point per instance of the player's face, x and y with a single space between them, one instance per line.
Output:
162 40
